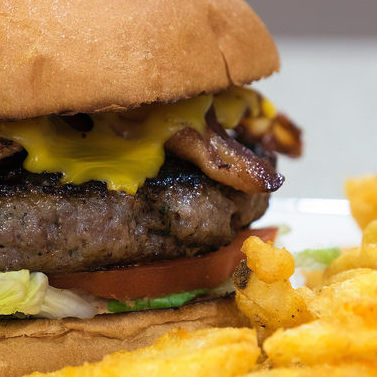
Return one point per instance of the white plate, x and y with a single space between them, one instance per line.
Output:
314 223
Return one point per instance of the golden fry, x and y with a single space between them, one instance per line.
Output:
313 278
343 370
351 286
337 319
271 306
362 194
211 352
369 243
268 299
350 259
363 257
268 262
345 275
341 339
346 328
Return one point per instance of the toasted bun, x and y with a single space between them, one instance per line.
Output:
97 55
48 345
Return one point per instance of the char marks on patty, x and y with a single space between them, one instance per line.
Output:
46 226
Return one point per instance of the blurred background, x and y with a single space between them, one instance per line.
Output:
328 85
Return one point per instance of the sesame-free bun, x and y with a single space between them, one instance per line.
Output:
97 55
47 345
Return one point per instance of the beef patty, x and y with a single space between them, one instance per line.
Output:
46 226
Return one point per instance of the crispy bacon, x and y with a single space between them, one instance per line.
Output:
279 134
8 148
224 159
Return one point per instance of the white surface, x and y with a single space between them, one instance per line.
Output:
329 87
314 223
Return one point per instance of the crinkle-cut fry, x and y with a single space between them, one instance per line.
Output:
211 352
269 263
313 278
363 257
268 299
345 275
362 195
365 309
351 286
270 306
343 338
349 259
342 370
369 244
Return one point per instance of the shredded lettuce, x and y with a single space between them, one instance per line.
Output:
22 292
316 258
61 303
171 301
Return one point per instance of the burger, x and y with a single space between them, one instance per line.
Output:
132 161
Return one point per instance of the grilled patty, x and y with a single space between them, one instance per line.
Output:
46 226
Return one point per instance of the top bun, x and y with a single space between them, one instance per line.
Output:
98 55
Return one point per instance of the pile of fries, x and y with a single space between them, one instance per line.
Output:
327 329
331 328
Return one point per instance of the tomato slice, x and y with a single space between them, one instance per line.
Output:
163 278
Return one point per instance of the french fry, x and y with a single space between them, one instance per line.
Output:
347 287
313 278
338 317
339 339
343 370
362 195
211 352
267 298
271 306
362 257
269 263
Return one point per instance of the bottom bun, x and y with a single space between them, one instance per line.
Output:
46 345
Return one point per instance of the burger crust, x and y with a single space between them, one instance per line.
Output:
106 55
28 345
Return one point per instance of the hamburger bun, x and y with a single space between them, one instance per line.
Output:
27 345
102 55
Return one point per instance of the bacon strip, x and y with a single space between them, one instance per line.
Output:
279 134
224 159
8 148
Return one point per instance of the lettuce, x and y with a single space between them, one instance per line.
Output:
171 301
29 294
22 292
61 303
316 258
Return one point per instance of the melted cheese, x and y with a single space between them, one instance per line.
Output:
232 104
101 154
124 163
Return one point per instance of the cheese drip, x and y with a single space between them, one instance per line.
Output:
101 154
232 104
124 163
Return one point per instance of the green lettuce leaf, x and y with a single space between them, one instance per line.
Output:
171 301
25 293
62 303
22 292
316 258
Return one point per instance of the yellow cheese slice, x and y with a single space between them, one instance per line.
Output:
124 161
